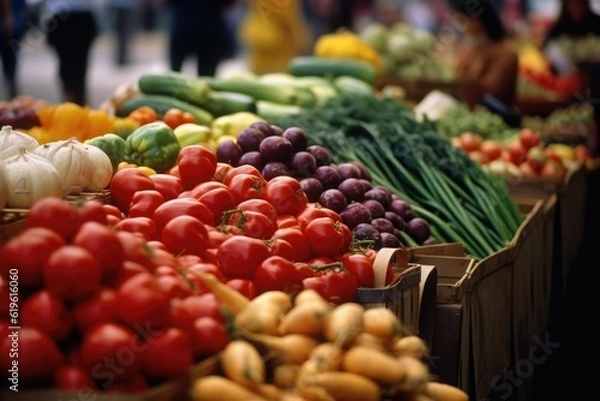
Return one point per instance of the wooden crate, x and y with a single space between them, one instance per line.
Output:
402 296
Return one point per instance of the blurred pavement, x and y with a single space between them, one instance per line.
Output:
38 69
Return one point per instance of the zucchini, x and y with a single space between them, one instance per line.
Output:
331 68
161 104
222 103
176 85
275 111
281 94
352 86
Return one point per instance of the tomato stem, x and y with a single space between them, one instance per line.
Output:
335 267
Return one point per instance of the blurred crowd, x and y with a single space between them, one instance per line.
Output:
266 33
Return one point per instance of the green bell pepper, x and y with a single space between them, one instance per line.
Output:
153 145
111 144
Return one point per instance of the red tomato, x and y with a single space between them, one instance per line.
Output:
92 211
317 284
28 253
72 273
73 378
247 186
184 312
280 247
142 302
102 242
169 186
491 149
222 170
340 285
157 245
133 385
517 152
277 273
348 237
321 261
324 236
197 284
179 207
244 169
142 225
136 249
313 212
48 314
253 224
101 308
56 214
197 164
478 157
260 206
297 239
112 221
216 236
286 195
185 235
162 257
144 203
470 142
203 188
245 287
218 201
39 357
5 302
209 337
240 256
211 256
188 260
125 183
361 268
173 286
528 138
168 354
115 343
112 210
305 270
129 269
286 221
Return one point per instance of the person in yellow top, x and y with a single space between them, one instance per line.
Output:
273 32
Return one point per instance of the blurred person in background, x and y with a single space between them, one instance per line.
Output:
12 29
576 19
123 12
486 62
272 33
71 29
199 28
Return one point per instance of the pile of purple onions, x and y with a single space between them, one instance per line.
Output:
373 213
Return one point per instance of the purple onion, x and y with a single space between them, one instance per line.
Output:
320 154
377 210
263 127
348 170
252 158
297 137
430 241
276 149
328 176
418 229
333 199
402 209
396 220
366 184
303 164
355 214
229 152
274 169
365 174
249 139
353 189
383 225
366 232
313 188
277 130
380 196
390 241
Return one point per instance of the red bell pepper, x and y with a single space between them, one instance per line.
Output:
125 183
168 185
144 203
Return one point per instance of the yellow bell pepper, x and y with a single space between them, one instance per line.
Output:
144 169
68 120
97 123
192 134
233 124
346 44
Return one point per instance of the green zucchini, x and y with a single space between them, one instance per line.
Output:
222 103
191 90
348 85
275 111
331 67
161 104
281 94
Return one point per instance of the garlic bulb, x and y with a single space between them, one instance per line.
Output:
11 141
103 170
31 178
72 161
4 185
